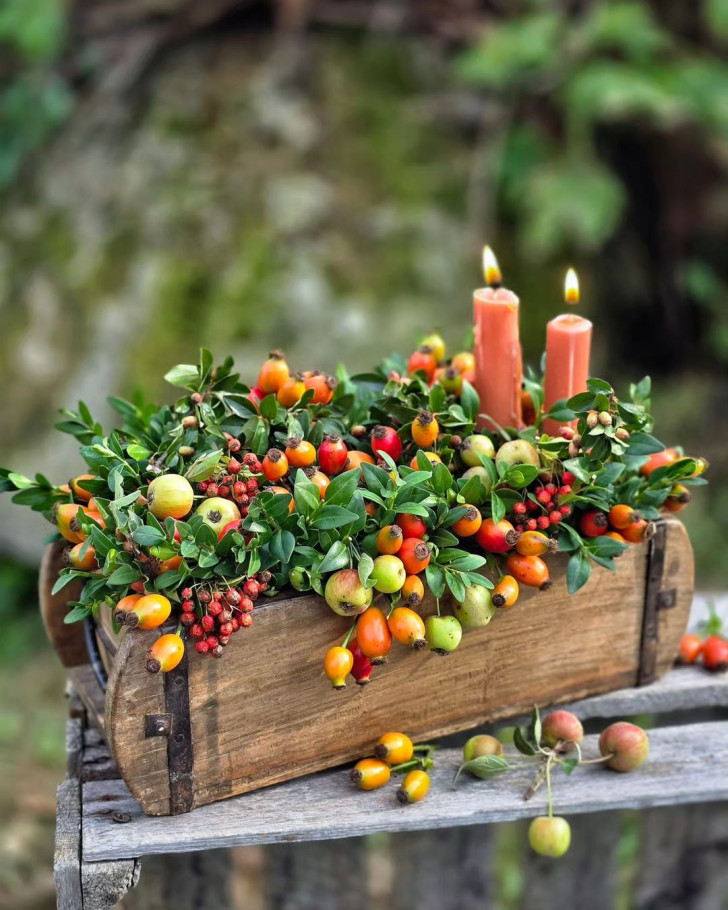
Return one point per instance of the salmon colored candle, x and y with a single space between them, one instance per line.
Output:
568 346
497 346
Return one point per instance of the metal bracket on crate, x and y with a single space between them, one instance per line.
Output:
656 599
180 753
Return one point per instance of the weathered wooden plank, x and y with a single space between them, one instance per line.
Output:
243 705
67 859
317 876
588 869
86 685
327 806
443 870
683 862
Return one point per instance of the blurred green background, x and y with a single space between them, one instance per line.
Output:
321 177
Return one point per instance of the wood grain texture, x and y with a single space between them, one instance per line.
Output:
67 641
326 806
86 686
269 686
67 858
317 876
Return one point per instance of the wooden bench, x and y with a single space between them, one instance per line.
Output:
102 834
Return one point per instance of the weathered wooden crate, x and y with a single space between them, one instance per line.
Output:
265 713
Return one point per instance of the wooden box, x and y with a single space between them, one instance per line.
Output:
265 713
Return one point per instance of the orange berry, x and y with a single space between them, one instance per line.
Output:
413 591
337 666
529 570
464 362
291 392
415 555
370 774
469 524
432 457
690 649
320 479
84 562
638 531
425 429
373 635
275 465
323 387
414 787
79 494
356 459
423 360
408 629
165 653
66 518
273 373
506 592
394 748
149 612
299 452
659 460
622 516
535 543
389 539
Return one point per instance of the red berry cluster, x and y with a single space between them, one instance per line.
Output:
237 483
217 614
545 511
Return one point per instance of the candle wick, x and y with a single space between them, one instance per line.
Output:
496 285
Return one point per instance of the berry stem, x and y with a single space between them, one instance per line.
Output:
349 635
548 785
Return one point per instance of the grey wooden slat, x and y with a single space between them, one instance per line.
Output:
105 884
326 806
588 869
317 876
183 881
67 859
683 862
443 870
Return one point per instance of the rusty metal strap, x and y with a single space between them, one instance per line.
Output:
180 754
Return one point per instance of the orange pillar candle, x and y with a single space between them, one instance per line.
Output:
497 346
568 346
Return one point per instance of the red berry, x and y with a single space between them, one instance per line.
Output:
239 489
532 506
233 597
555 517
567 477
544 497
246 620
565 511
543 522
226 628
224 639
246 604
188 606
225 616
186 593
204 596
202 647
215 608
593 523
550 488
251 588
207 622
234 445
212 489
196 631
250 458
227 478
202 486
252 485
565 490
332 455
187 619
234 466
235 622
520 528
520 508
715 653
212 641
385 439
531 524
224 491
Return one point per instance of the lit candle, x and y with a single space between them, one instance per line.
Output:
497 345
568 344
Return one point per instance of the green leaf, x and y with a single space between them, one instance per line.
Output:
484 767
342 488
172 578
568 765
497 507
578 571
281 546
65 578
366 566
442 479
147 536
536 724
435 577
184 375
333 517
124 575
521 742
77 614
337 557
469 401
455 583
137 452
644 444
203 467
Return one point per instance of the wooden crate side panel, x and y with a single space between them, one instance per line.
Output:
265 712
67 640
131 694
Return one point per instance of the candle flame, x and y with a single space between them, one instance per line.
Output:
490 267
571 287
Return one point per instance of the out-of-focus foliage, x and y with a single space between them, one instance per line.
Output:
34 99
560 78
